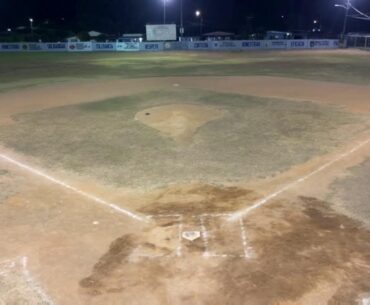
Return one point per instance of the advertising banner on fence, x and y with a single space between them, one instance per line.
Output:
161 32
104 46
226 45
160 46
323 44
278 44
10 47
56 46
199 45
128 46
152 46
253 44
80 46
297 44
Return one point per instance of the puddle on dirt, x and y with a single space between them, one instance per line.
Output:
304 254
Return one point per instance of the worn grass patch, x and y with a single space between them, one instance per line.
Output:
256 137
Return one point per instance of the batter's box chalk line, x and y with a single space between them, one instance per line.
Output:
20 285
246 249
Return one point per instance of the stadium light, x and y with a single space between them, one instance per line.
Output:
198 14
31 25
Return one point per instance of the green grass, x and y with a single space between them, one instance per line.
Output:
257 137
27 69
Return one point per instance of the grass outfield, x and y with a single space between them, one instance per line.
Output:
26 69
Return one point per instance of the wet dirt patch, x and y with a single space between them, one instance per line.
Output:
305 254
198 199
310 245
114 272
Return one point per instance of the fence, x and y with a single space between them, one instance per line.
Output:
358 41
228 45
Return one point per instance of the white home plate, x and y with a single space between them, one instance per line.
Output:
191 235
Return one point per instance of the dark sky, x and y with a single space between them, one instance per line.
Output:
119 16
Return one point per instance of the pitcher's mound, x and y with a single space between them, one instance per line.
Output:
180 121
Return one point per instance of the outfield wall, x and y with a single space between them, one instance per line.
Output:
227 45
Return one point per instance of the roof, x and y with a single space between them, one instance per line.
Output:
219 33
94 33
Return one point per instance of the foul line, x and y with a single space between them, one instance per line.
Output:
69 187
244 212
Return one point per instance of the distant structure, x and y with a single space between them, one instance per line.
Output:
131 38
277 35
218 36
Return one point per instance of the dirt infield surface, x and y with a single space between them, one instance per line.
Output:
101 180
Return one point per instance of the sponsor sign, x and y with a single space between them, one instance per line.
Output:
127 46
228 44
152 46
104 46
35 47
10 47
278 44
199 45
252 44
298 44
56 46
79 46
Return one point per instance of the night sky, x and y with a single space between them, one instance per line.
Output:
130 16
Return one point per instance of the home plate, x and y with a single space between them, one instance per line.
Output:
191 235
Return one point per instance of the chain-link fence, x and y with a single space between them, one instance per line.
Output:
358 41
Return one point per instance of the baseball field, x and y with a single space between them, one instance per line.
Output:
185 178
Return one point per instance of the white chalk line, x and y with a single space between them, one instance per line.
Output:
71 188
246 248
30 280
179 246
32 283
205 239
244 212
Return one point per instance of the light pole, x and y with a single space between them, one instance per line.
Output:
346 7
198 14
31 26
164 11
182 30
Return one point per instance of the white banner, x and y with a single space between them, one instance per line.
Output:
161 32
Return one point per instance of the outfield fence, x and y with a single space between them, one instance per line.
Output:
227 45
